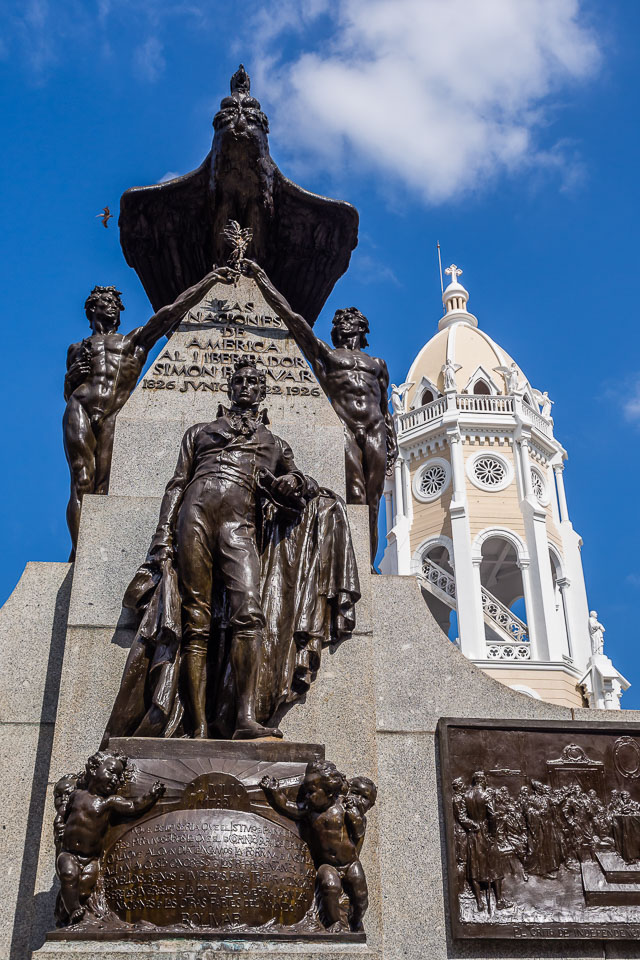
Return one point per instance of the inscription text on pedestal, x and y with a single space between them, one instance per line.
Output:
209 868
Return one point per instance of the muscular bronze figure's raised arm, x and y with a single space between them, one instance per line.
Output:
102 371
357 385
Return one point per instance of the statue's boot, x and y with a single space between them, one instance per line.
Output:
196 668
245 658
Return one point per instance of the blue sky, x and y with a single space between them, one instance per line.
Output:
506 129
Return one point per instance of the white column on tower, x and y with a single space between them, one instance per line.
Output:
399 500
563 586
524 567
388 507
469 597
541 616
558 469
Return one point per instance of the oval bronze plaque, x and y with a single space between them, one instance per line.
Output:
209 868
626 756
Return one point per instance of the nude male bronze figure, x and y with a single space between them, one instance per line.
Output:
357 385
102 371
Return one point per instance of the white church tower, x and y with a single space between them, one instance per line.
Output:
476 509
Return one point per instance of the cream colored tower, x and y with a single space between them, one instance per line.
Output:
476 509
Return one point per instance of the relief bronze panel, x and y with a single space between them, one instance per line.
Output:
542 823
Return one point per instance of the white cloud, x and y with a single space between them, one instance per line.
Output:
631 406
148 59
169 175
48 34
440 95
34 26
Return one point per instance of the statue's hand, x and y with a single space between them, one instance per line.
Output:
80 368
225 274
158 790
161 555
254 269
286 485
269 784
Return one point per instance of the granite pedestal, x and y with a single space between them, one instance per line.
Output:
374 705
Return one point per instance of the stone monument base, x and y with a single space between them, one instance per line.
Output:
189 948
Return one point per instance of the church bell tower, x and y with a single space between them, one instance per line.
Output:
476 510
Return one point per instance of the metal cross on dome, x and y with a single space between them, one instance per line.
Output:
454 272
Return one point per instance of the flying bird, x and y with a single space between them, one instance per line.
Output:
105 216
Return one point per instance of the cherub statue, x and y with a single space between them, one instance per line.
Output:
332 811
85 811
61 796
360 797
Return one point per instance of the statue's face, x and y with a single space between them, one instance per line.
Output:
349 328
63 790
321 789
240 116
364 791
104 315
108 776
246 391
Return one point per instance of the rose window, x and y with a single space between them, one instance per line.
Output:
433 480
537 484
490 471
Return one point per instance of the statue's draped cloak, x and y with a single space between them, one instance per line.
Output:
309 587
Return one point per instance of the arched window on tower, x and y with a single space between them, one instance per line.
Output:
427 397
481 388
505 615
557 578
435 561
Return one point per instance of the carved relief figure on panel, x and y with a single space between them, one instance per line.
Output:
357 385
102 371
83 815
250 572
332 811
540 838
485 863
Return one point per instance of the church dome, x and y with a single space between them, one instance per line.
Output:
477 363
